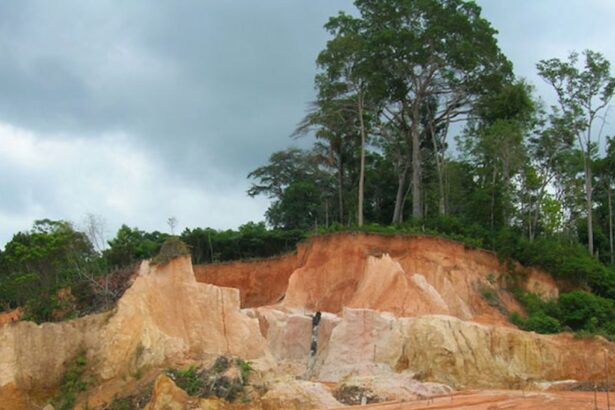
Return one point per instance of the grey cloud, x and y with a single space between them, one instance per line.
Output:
203 90
225 80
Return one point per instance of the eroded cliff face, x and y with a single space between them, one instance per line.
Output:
364 343
407 276
404 275
402 317
166 316
260 282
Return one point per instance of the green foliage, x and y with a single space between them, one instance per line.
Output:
188 379
252 240
298 187
577 311
73 383
171 248
131 245
582 310
35 265
245 368
214 382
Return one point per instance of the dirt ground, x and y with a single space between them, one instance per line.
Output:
492 400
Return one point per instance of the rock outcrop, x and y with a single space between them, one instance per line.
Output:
404 275
403 317
165 317
260 282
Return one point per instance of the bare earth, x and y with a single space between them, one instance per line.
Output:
505 399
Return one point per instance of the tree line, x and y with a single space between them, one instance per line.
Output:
397 82
56 271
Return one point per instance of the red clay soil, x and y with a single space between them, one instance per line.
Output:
491 400
260 282
10 316
328 272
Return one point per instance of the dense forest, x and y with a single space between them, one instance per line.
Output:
419 126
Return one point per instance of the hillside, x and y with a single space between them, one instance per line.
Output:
402 318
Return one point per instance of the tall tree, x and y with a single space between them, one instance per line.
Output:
346 70
429 49
583 93
332 122
495 142
605 170
298 186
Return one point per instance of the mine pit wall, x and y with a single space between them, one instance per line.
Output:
260 282
35 356
325 273
164 317
436 348
335 267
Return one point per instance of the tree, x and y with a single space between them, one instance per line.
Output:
495 143
37 263
344 81
605 170
582 93
131 245
299 188
429 49
333 123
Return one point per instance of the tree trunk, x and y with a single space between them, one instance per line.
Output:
340 190
417 207
492 219
400 197
610 193
588 196
362 167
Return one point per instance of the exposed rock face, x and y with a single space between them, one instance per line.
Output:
408 276
398 313
164 317
34 356
260 282
283 395
405 275
167 396
541 284
459 353
167 315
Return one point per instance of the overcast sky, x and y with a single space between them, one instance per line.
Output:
139 113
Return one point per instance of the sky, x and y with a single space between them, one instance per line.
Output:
137 113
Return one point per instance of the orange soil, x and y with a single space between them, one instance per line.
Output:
491 400
332 271
260 282
10 316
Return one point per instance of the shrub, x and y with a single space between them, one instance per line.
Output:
541 323
171 248
73 383
577 311
214 381
584 311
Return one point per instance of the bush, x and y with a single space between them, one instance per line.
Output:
214 381
541 323
578 311
73 383
171 248
584 311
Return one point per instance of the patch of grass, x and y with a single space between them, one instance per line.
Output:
73 383
245 369
171 248
133 402
215 381
355 395
189 379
